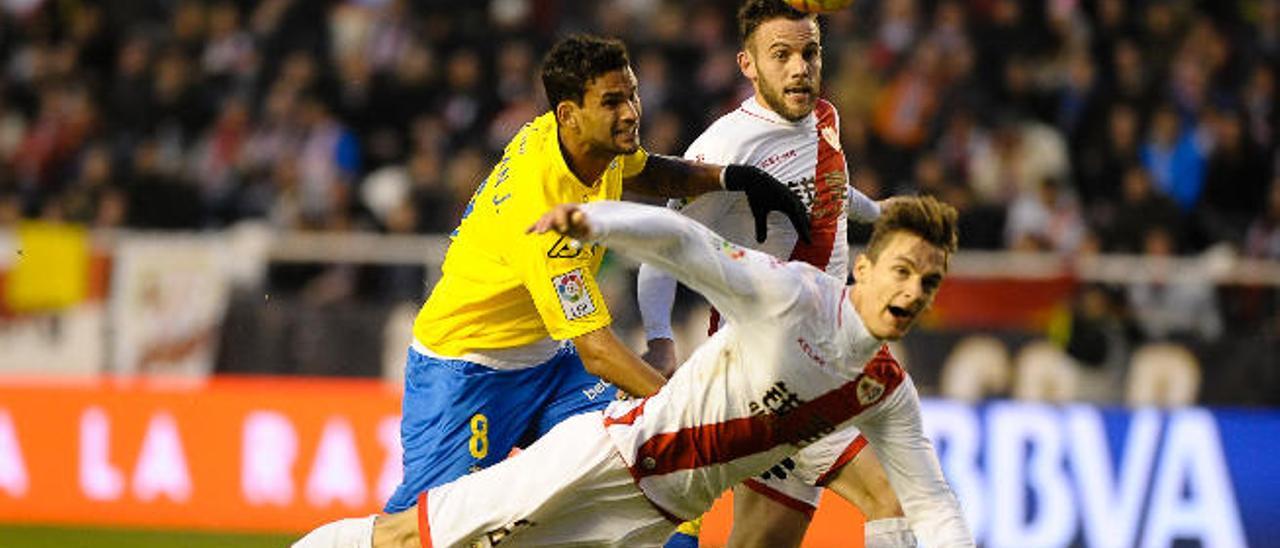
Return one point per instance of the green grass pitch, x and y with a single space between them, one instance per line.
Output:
32 536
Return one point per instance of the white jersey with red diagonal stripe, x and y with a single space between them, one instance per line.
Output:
793 364
805 155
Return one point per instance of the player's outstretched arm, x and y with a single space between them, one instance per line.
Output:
740 282
895 432
672 177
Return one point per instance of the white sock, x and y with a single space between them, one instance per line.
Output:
344 533
889 533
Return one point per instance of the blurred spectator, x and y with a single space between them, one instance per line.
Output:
158 198
1175 157
1105 155
895 32
1045 219
1173 304
1094 331
1020 154
904 109
1140 211
1259 99
1235 179
217 158
1131 75
1262 241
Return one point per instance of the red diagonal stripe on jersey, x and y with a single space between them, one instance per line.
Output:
826 209
716 443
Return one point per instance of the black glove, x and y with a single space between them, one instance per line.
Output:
765 194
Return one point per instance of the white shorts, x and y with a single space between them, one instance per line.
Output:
569 487
797 481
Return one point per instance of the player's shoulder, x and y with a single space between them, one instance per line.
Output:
531 152
730 135
812 285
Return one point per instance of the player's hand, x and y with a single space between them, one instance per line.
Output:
566 219
765 194
885 203
661 355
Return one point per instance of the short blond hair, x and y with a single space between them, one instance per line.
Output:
932 220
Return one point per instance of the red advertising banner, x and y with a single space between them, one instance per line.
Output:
235 454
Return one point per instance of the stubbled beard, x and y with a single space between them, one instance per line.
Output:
777 101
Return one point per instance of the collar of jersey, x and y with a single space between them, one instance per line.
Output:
857 338
562 165
754 108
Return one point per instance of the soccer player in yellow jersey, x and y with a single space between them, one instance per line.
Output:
515 336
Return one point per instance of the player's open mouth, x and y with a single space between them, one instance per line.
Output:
802 93
900 313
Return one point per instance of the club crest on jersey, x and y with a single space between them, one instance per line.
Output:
869 390
575 297
831 136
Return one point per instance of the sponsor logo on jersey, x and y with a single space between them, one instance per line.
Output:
595 391
776 158
778 400
575 297
565 248
810 352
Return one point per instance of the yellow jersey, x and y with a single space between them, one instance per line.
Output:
502 288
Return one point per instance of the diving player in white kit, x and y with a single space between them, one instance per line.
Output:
801 355
785 129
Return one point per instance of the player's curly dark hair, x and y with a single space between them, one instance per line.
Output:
925 216
753 13
576 60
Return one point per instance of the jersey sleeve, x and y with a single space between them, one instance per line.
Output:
895 431
633 164
561 281
655 296
743 284
860 207
707 148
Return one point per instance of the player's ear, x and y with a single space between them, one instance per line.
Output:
861 266
747 65
565 114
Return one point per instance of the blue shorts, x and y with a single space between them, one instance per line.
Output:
459 416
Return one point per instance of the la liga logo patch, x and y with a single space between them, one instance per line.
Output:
575 297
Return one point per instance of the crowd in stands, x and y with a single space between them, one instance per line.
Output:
1067 126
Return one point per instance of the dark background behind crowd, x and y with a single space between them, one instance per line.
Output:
1061 126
